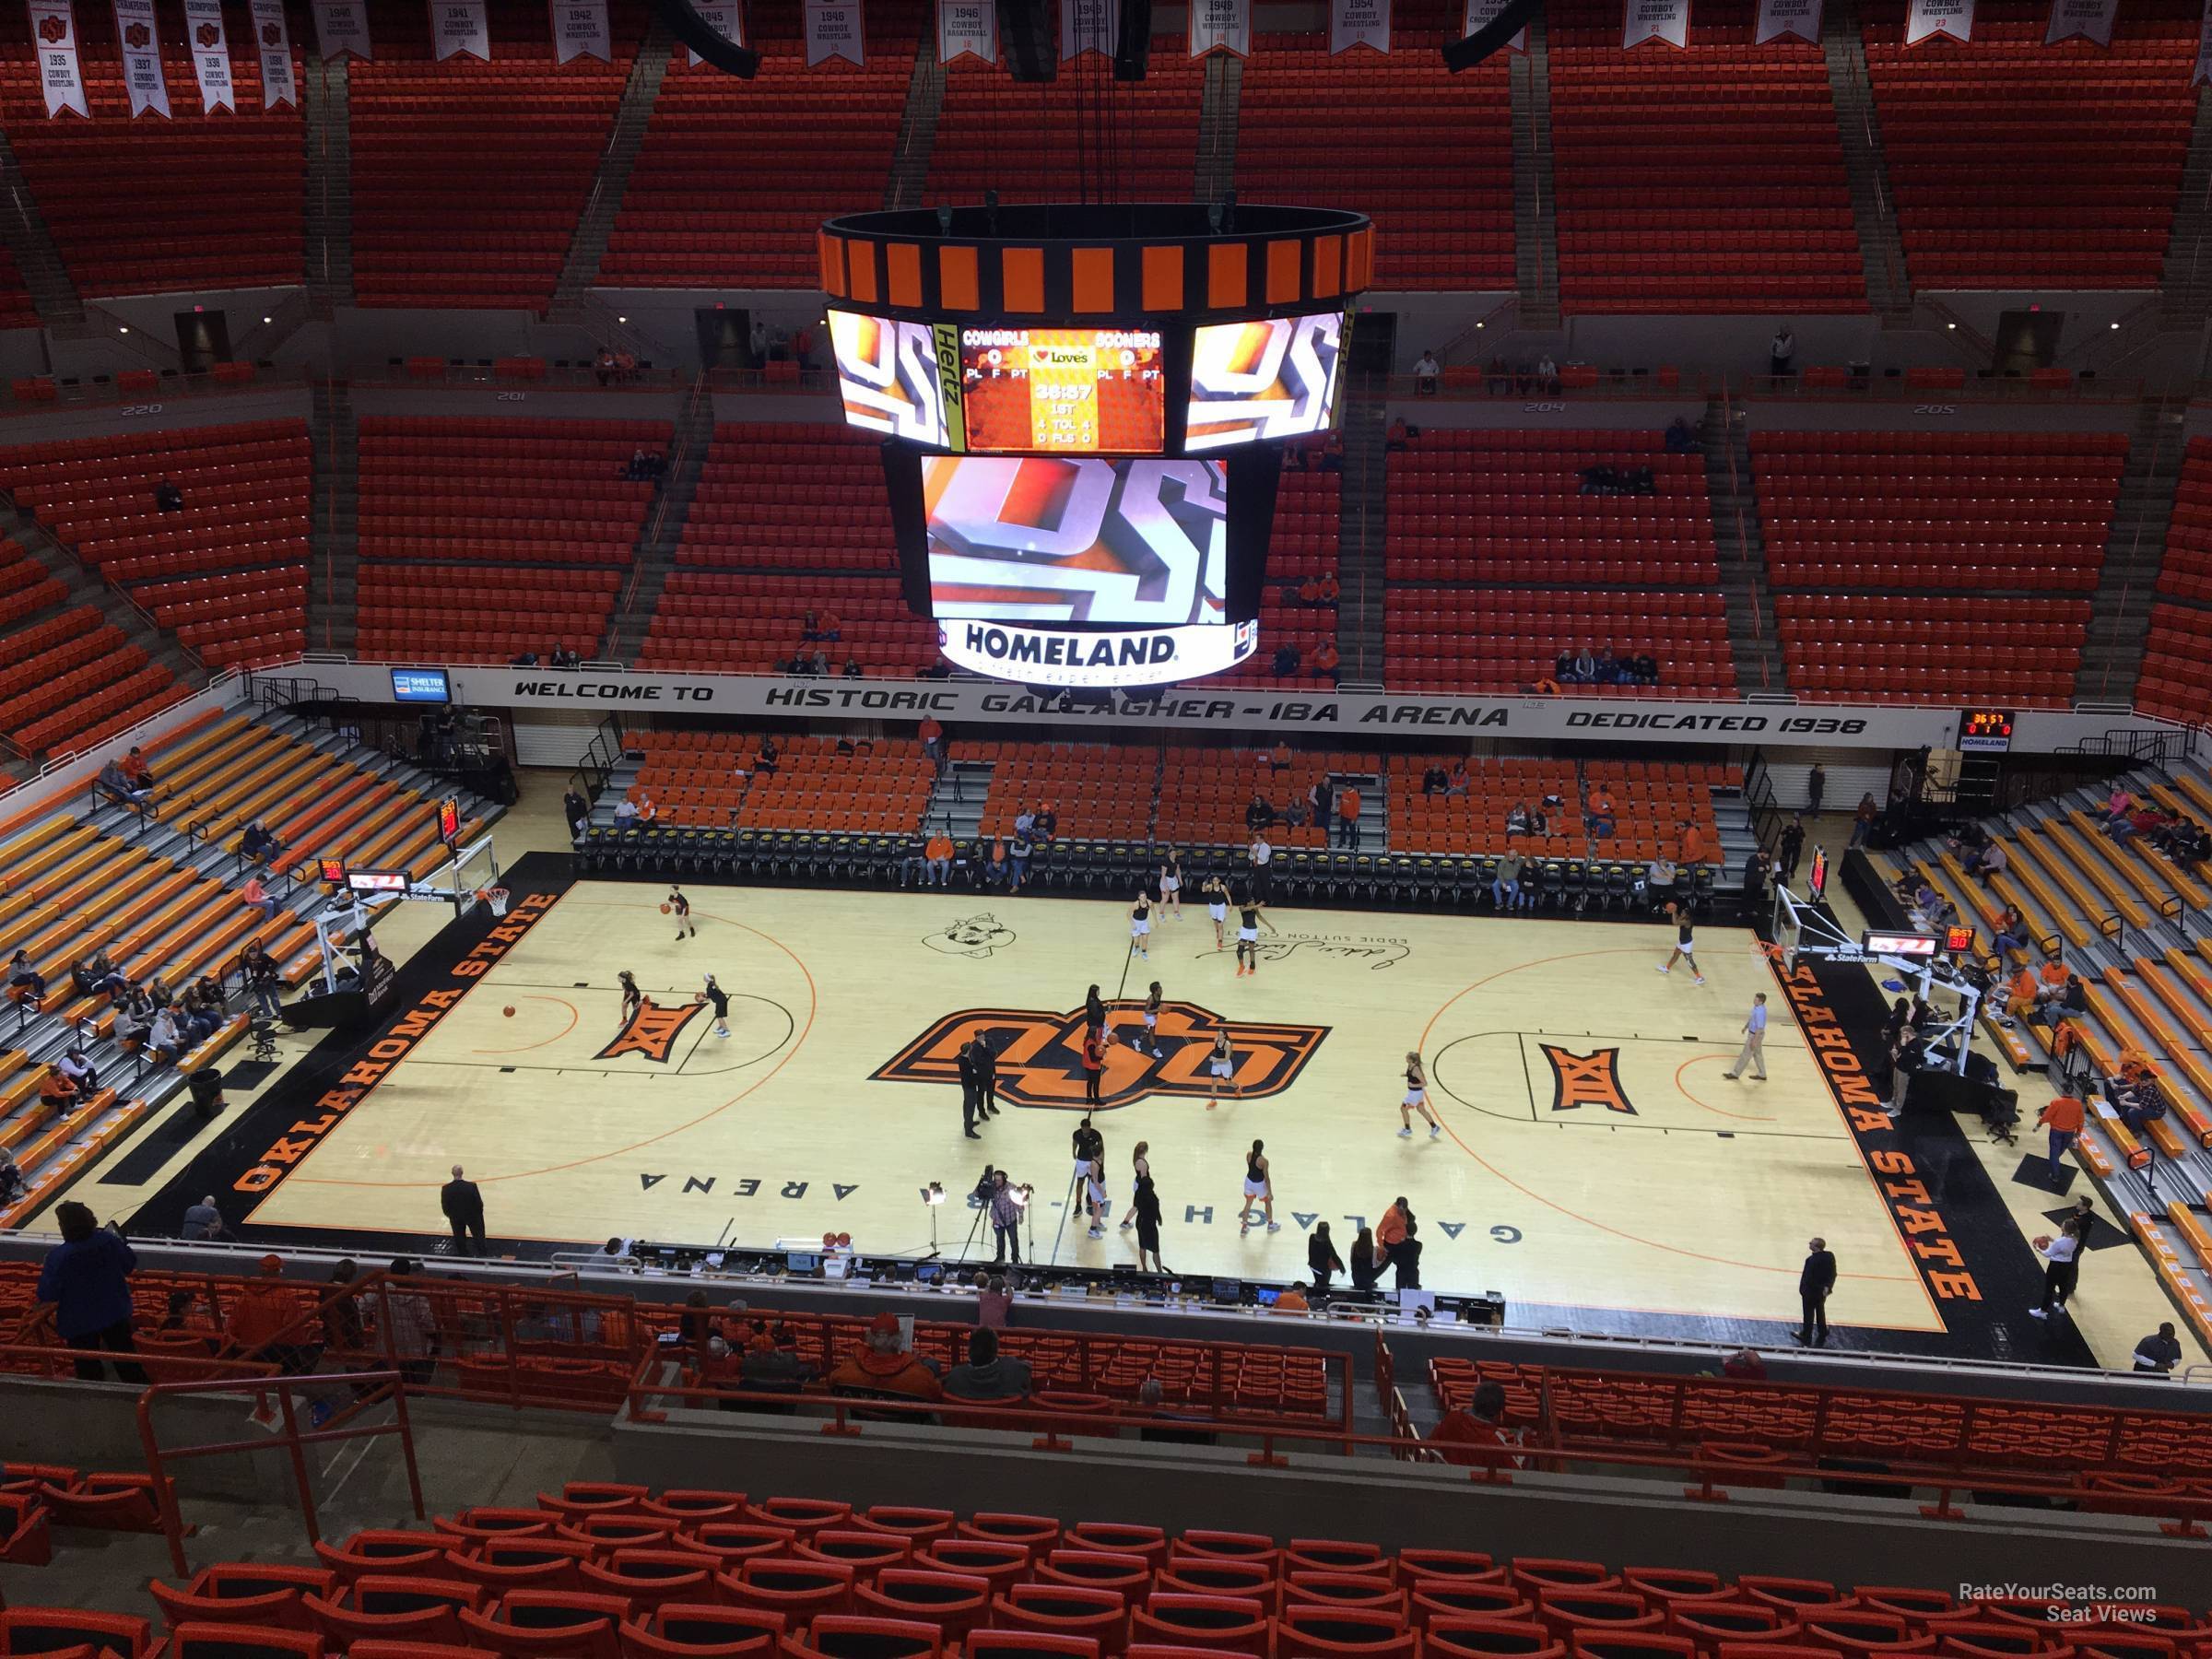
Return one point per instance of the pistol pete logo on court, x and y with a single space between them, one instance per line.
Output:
1041 1055
651 1031
1591 1080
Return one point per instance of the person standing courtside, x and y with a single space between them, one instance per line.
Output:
1755 1043
971 1091
1814 1280
462 1203
986 1077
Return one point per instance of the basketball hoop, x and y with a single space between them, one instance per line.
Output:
494 896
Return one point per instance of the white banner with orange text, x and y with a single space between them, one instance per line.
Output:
141 51
210 54
579 31
53 37
272 37
461 28
833 30
1089 26
1220 26
725 17
1944 20
1667 21
1778 18
967 29
342 26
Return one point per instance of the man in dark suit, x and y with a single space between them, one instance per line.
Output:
986 1077
463 1203
971 1093
1814 1280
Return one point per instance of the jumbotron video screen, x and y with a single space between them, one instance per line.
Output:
1063 391
1128 544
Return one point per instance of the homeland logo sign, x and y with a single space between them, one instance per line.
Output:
1125 656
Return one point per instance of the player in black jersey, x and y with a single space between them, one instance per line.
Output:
633 998
1140 926
684 928
1249 922
721 999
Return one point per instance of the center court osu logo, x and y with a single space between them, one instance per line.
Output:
651 1031
1041 1055
1592 1079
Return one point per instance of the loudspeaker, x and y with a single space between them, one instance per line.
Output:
1466 53
1025 30
691 30
1133 41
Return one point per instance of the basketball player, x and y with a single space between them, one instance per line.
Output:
1152 1001
1417 1099
634 1000
684 928
1171 885
1249 923
1221 1067
1140 923
1096 1040
1684 951
1094 1009
1140 1171
1257 1185
1089 1146
721 999
1095 1192
1217 906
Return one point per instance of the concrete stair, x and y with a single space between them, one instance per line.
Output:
1217 112
1742 547
1362 505
2134 550
88 586
597 223
957 803
917 127
1858 126
334 539
662 531
23 229
2185 284
326 104
1535 222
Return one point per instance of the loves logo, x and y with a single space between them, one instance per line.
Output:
53 31
1039 1054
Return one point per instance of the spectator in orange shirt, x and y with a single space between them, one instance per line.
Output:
1693 846
1293 1300
254 893
884 1370
1391 1229
2061 1116
2021 994
1348 818
1326 660
933 737
1473 1436
1601 817
936 859
261 1310
1278 758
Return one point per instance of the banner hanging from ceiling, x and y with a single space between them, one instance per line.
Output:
1481 14
725 17
1779 20
967 29
141 48
2092 20
53 37
1943 19
210 54
833 30
1220 26
461 28
342 26
579 31
273 38
1358 23
1645 20
1089 26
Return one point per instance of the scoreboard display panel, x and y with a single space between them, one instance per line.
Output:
1063 391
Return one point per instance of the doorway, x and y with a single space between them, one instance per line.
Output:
203 340
2026 340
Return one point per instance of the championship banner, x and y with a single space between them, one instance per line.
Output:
1089 26
1358 23
2092 19
210 54
967 29
274 37
579 31
833 30
725 17
1481 14
1780 18
461 27
141 57
2197 76
1220 26
1667 21
342 26
1952 19
54 38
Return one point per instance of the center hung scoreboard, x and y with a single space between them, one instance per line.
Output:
1084 411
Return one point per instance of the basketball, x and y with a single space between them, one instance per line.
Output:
507 1011
667 907
2041 1240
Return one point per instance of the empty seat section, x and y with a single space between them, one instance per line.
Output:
1446 224
2103 132
1028 141
1763 223
484 539
716 780
1500 562
468 177
1935 566
1301 553
735 177
2177 664
198 201
1101 791
789 520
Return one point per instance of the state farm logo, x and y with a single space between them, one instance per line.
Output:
1040 1055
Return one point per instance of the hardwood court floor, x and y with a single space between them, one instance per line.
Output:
1594 1157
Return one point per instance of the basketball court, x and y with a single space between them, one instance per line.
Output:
1595 1166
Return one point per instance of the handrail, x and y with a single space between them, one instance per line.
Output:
370 1387
1737 488
1054 1429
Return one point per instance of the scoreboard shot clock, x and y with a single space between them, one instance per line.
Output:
1985 731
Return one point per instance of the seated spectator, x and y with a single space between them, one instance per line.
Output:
260 843
1259 814
1293 1300
1474 1436
1694 852
1582 669
771 1364
1397 435
97 975
168 498
2020 994
527 659
764 760
1516 818
1288 660
1599 821
1505 882
1025 824
135 769
2182 841
853 667
1332 453
74 1065
1538 824
1645 669
2012 932
1457 783
565 658
2144 820
884 1370
1681 437
986 1376
25 982
115 783
261 1314
255 894
1048 822
936 859
1988 863
165 1042
1326 660
1660 880
12 1184
626 813
133 1019
58 1093
2118 805
1547 373
1433 780
1745 1366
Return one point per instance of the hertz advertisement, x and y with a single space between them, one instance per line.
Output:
889 379
1263 380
